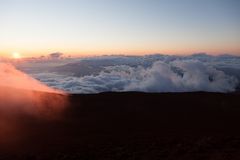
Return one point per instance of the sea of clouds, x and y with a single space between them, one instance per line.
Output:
150 73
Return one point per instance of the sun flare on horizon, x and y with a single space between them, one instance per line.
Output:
16 55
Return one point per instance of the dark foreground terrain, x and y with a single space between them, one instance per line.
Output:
129 126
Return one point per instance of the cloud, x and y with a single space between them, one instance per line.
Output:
159 74
183 76
22 95
55 55
11 77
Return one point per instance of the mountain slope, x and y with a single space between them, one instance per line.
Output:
135 125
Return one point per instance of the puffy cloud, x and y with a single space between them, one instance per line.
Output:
150 73
176 75
180 76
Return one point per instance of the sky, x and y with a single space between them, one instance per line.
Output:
92 27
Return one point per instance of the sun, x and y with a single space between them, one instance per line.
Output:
16 55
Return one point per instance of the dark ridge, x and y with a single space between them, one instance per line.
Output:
135 125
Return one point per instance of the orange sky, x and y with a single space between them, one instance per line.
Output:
91 27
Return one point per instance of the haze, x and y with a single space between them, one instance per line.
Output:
95 27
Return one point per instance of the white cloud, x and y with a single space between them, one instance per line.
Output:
164 75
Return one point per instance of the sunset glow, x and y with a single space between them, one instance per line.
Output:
16 55
92 27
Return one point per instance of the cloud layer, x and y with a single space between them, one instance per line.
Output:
154 73
22 95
